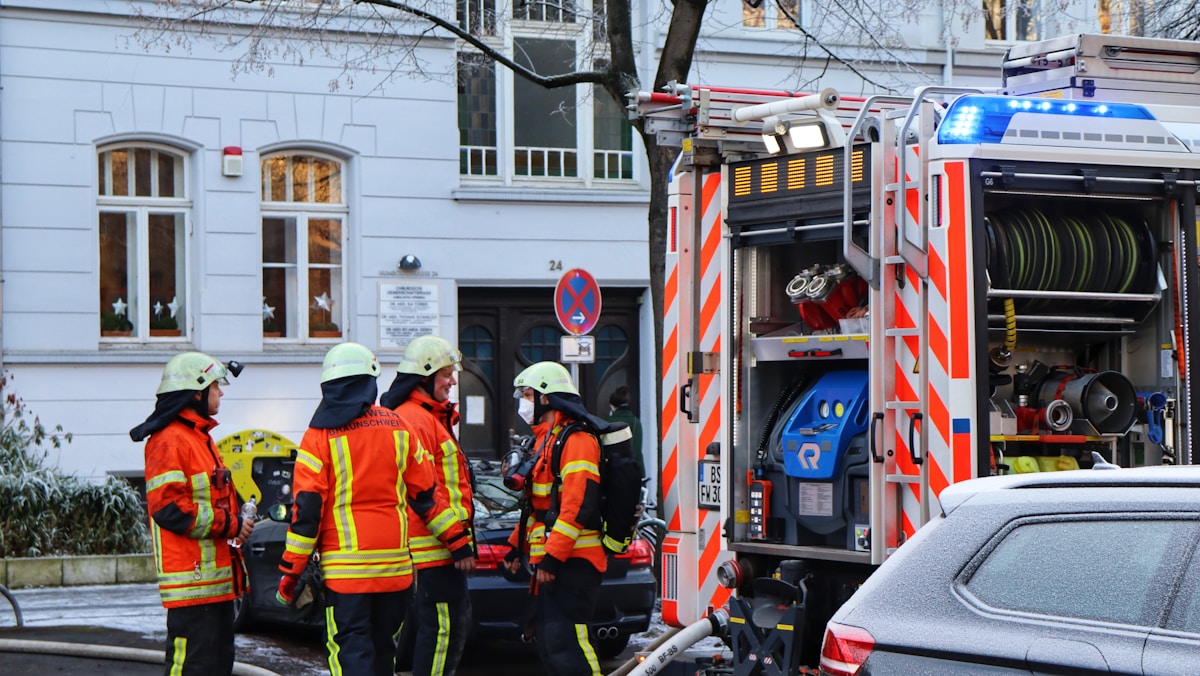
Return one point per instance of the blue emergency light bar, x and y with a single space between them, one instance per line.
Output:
979 118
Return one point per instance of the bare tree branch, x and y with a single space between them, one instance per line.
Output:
547 81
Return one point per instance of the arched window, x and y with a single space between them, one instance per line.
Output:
303 235
611 345
143 224
478 345
541 343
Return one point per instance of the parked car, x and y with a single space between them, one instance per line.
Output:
1078 572
499 600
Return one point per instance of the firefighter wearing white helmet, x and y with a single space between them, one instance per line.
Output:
562 539
193 513
426 355
351 500
349 359
439 619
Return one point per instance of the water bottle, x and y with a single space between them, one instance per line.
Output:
249 513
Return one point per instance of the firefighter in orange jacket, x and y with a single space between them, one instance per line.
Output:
193 513
439 619
561 537
357 470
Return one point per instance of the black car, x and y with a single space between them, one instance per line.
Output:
499 600
1078 572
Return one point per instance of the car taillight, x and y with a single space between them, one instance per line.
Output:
845 649
491 557
640 553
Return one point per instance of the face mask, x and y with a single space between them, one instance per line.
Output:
525 410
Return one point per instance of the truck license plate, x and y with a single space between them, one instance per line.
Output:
710 484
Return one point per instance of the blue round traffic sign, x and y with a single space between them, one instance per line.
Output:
577 301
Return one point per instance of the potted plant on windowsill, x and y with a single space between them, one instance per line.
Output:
270 330
164 326
113 325
324 330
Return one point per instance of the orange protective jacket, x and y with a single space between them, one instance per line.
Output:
353 485
573 532
193 512
432 422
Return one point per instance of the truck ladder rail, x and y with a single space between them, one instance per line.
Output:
915 252
862 261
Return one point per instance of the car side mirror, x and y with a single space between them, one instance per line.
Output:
280 512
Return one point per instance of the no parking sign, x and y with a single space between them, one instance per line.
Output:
577 301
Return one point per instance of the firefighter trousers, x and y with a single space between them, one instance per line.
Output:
200 640
438 621
564 609
360 631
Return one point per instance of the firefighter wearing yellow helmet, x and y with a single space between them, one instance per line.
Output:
193 514
561 539
358 470
439 619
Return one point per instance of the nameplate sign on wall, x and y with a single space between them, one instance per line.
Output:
406 311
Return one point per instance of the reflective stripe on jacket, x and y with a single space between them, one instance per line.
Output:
352 487
578 501
432 422
193 512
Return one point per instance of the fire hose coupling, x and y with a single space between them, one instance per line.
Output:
719 619
797 289
817 283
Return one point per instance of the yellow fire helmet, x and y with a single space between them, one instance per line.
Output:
349 359
427 355
546 377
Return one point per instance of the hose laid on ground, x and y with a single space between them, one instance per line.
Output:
632 662
108 652
17 606
714 623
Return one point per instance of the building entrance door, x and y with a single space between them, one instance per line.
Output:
503 330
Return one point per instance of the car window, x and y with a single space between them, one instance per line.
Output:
1103 569
1185 614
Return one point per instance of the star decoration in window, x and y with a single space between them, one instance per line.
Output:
174 305
268 311
324 302
119 307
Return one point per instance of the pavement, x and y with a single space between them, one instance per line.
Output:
125 616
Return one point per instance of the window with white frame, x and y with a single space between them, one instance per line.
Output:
1123 17
476 115
544 131
477 17
612 136
143 226
780 14
565 134
1013 20
303 234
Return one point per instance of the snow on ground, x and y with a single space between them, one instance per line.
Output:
641 642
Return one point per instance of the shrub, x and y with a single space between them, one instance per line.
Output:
44 512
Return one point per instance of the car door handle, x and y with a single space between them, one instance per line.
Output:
258 549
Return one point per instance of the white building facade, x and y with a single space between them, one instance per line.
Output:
152 202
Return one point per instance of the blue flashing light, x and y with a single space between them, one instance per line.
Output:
980 118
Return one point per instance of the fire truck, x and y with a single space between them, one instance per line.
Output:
869 299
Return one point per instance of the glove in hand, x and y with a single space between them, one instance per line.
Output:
286 594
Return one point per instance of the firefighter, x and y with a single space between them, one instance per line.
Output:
560 536
193 514
439 619
357 470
